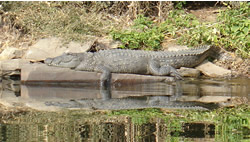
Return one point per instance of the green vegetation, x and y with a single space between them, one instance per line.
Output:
153 22
143 35
231 31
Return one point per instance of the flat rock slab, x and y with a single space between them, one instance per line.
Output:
14 64
189 72
213 70
12 67
42 73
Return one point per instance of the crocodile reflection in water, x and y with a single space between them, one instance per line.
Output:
130 95
138 102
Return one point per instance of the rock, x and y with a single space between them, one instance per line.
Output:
11 53
44 73
44 48
212 70
52 47
36 54
189 72
238 61
13 64
77 47
108 43
11 67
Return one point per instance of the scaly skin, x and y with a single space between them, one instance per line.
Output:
159 63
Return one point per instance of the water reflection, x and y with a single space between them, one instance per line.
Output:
76 127
136 96
234 87
119 130
189 94
10 87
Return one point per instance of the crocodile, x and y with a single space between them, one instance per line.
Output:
159 63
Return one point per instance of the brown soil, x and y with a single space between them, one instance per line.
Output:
207 14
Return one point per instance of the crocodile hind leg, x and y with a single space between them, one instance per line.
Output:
165 70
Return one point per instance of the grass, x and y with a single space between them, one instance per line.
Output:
68 20
139 25
231 31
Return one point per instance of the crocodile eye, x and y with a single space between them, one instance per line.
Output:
67 58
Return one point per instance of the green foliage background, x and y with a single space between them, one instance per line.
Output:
152 22
231 31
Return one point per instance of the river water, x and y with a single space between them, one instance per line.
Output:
75 125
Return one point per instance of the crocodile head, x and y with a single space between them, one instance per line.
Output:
67 60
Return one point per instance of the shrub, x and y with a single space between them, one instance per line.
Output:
144 34
231 31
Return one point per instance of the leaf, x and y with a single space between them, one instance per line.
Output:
215 38
235 28
246 30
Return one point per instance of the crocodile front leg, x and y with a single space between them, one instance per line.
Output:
105 77
156 69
